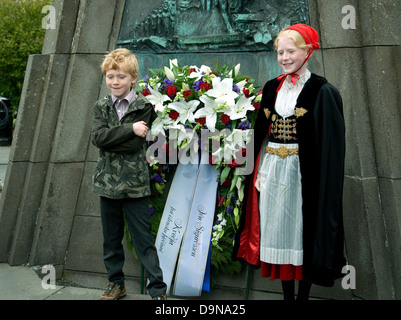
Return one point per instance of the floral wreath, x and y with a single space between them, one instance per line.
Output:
189 99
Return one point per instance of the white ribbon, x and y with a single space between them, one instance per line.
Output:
174 220
195 248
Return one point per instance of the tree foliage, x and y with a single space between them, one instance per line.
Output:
21 35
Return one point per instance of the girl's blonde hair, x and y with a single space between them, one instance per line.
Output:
294 36
121 59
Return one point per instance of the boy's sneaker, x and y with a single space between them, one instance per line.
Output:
114 292
162 296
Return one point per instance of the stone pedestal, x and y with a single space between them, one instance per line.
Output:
48 214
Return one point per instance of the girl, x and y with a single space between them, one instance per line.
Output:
292 216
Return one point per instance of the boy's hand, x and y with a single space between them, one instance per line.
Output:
140 128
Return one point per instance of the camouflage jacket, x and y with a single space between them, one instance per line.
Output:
122 170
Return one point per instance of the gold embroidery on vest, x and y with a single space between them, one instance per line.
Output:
267 113
300 112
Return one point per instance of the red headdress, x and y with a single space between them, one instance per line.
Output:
311 38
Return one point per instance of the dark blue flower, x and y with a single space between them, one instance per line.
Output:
196 85
244 125
167 82
157 178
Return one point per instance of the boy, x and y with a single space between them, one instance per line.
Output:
121 178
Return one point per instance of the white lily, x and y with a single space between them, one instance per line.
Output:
238 138
225 154
185 87
187 140
185 109
240 109
158 125
209 112
173 63
169 74
200 71
232 144
157 99
241 84
222 90
236 70
179 132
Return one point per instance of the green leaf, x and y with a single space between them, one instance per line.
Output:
224 174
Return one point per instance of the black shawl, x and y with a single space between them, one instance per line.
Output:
321 135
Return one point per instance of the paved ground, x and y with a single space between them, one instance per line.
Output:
23 283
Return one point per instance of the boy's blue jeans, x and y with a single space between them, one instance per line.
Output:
139 224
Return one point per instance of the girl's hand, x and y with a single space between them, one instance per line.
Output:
257 184
140 128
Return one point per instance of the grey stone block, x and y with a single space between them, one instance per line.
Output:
85 251
59 40
94 26
117 20
379 22
88 203
29 107
49 108
73 128
365 234
384 107
56 213
31 196
391 204
9 205
344 68
330 16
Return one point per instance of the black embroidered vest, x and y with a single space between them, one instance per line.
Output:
283 130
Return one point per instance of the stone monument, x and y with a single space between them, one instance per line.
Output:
48 214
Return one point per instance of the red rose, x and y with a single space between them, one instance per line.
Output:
171 91
233 164
146 92
173 114
202 121
246 92
222 201
212 160
187 93
205 86
225 119
227 183
256 106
